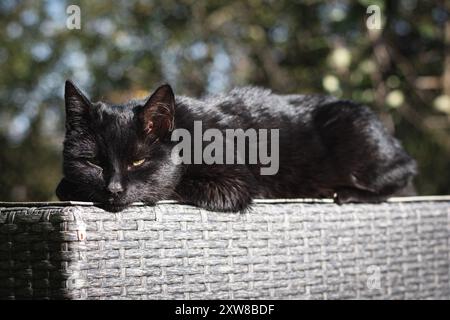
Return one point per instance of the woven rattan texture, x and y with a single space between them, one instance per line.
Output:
276 251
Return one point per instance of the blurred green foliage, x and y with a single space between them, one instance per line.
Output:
126 48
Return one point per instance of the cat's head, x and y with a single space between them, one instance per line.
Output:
118 154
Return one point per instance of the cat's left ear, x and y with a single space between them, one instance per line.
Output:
158 112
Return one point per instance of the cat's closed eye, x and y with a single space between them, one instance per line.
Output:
94 162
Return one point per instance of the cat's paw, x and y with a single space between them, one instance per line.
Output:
241 206
353 195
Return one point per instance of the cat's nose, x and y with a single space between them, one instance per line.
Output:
115 187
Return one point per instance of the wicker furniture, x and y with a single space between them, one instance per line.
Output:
293 249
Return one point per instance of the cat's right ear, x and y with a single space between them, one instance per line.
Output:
77 105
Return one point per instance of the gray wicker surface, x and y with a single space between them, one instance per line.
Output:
285 250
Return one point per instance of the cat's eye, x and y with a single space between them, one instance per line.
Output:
137 163
93 162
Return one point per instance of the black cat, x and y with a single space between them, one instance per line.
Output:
118 154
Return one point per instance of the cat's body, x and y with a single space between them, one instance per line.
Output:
327 148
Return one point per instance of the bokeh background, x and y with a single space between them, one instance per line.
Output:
125 48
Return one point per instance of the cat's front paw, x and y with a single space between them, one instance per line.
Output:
227 190
240 206
353 195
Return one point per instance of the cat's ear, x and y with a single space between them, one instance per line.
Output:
158 112
77 104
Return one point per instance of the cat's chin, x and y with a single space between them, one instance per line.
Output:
114 207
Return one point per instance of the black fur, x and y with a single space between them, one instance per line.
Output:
328 148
